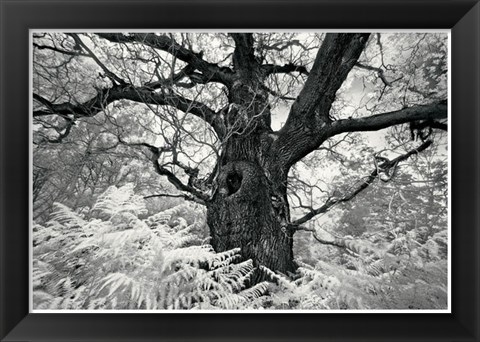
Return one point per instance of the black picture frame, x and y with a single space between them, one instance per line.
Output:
17 17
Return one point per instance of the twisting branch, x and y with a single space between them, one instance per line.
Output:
331 240
379 72
433 111
244 61
335 58
61 135
304 129
211 71
114 78
384 167
381 75
184 196
269 69
280 46
357 246
174 79
63 51
143 94
156 152
201 197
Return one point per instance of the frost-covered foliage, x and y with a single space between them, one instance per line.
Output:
388 246
138 112
109 258
392 270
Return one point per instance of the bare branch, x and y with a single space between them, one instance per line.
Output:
198 196
304 129
280 46
244 60
56 49
108 73
335 58
379 72
331 240
61 135
269 69
143 94
212 71
437 110
184 196
362 185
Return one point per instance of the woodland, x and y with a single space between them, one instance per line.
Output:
240 171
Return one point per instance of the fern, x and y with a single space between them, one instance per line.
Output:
115 260
117 201
115 256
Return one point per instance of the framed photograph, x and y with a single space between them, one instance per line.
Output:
204 170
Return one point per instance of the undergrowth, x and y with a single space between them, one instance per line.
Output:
116 256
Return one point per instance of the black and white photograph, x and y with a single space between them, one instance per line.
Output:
240 171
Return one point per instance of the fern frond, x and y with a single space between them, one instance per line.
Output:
64 215
120 200
255 291
280 279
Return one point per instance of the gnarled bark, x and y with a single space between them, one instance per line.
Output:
246 213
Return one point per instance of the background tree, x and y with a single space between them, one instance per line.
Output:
238 122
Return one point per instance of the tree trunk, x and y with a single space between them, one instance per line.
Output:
246 212
249 209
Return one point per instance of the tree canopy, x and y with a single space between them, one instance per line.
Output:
329 146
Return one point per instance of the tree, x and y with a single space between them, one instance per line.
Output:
199 107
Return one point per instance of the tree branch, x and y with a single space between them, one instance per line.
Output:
356 246
198 196
269 69
65 52
433 111
66 131
280 46
335 58
304 129
114 78
379 72
244 61
332 240
143 94
211 71
184 196
362 185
